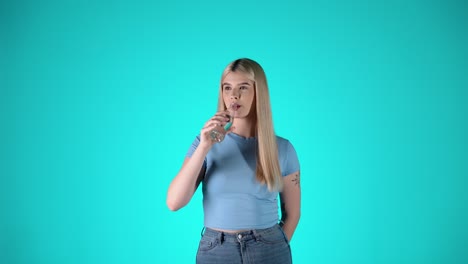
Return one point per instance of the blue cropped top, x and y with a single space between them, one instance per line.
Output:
232 197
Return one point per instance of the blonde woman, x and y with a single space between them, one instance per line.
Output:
243 174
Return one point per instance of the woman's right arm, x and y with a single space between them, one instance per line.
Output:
185 183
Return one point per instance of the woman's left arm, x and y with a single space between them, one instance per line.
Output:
290 199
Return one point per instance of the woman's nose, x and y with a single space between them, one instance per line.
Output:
235 95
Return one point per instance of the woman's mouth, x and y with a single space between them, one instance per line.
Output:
235 106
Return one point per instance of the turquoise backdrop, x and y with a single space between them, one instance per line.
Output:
100 100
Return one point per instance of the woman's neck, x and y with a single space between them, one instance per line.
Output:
244 127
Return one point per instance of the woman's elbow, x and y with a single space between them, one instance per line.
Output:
175 204
172 205
295 215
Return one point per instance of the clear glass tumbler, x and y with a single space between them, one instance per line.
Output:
219 132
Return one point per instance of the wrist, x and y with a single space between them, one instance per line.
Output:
204 147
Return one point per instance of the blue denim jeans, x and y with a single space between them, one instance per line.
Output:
268 245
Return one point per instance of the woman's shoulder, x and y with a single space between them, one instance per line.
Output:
287 156
283 142
281 139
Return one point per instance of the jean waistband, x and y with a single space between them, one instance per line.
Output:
247 235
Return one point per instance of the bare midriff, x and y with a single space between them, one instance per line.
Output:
230 231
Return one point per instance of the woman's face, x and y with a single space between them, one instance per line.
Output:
238 93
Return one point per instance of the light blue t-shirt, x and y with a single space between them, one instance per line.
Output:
232 197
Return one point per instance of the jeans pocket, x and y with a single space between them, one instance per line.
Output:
273 236
284 234
207 243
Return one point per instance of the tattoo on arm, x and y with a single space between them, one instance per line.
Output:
296 179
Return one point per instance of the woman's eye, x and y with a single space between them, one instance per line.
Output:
227 88
243 87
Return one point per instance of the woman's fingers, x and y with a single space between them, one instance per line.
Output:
220 119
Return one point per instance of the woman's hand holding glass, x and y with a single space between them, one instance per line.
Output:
216 128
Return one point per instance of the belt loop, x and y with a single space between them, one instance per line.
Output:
220 237
202 231
281 223
255 234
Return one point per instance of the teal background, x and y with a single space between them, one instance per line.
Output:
100 100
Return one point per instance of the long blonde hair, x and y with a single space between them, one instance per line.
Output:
268 169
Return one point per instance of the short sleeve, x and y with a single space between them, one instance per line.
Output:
291 163
193 147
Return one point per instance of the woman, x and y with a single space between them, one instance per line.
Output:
242 176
